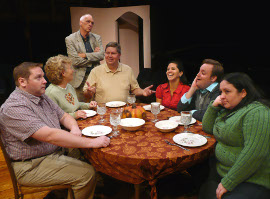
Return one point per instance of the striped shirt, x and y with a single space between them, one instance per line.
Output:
20 117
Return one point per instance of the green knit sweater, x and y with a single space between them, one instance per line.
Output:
66 98
243 144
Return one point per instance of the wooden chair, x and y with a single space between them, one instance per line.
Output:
20 190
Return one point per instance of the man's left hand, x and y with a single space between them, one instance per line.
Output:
76 131
220 191
147 91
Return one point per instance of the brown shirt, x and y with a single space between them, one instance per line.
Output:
21 116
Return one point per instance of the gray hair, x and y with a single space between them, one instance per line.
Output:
82 17
114 45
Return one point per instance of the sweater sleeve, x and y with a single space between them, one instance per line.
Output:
256 130
84 106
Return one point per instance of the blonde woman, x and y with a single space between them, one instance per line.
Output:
59 72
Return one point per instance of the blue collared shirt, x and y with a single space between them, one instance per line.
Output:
184 100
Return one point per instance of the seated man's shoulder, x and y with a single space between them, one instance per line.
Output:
126 67
98 68
14 101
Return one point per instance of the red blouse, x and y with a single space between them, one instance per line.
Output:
163 93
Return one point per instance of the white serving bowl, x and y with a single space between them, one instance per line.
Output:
132 124
166 125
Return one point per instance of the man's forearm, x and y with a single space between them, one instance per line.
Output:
190 92
68 122
62 138
138 91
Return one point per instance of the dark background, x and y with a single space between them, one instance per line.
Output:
237 35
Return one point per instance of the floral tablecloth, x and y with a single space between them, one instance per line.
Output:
143 155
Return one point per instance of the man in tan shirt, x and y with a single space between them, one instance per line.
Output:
112 81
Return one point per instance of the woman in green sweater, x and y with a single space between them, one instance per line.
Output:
59 72
240 120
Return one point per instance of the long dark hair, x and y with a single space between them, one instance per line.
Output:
242 81
180 67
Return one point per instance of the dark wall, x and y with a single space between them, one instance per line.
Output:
30 31
236 35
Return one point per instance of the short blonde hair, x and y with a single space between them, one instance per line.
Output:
54 68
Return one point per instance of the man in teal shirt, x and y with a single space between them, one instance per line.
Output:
205 87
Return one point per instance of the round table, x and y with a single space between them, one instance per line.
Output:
143 155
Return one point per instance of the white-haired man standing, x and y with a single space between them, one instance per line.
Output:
86 51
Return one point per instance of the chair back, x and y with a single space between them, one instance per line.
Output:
10 168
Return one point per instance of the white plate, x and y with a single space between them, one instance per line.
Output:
96 130
148 107
90 113
177 119
114 104
189 139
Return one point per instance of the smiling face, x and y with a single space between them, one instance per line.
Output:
35 84
230 96
204 78
112 57
173 72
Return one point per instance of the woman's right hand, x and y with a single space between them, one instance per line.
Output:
217 102
80 114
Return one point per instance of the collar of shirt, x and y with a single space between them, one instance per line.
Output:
209 88
119 68
166 88
85 39
31 97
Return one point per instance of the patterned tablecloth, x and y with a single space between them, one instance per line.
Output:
135 157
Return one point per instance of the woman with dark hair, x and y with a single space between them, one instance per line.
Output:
170 93
239 118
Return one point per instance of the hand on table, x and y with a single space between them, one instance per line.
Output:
220 191
76 131
102 141
80 114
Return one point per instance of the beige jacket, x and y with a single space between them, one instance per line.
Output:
75 45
